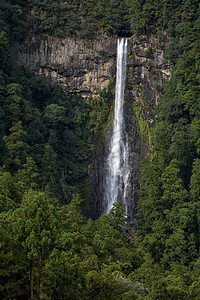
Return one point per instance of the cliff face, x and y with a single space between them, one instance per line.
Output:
146 75
80 66
86 67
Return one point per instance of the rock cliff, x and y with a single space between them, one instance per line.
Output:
146 75
86 67
81 66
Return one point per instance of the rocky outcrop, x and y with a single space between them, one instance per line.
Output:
147 72
81 66
86 67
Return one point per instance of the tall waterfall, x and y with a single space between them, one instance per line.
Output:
116 180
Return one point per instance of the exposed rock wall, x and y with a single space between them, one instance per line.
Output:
80 66
146 76
86 67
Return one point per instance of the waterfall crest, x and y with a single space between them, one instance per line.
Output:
117 174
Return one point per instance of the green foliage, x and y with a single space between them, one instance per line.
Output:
11 19
81 258
5 54
47 139
118 215
86 19
10 192
39 222
100 113
44 124
168 218
83 19
16 146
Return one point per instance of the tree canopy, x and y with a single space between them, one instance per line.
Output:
48 248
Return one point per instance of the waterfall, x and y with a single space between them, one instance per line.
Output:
117 174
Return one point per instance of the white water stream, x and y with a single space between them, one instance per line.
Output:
118 169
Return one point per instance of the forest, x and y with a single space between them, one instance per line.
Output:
49 248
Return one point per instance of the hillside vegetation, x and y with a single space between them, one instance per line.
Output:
48 249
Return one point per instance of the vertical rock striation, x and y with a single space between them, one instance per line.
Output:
80 66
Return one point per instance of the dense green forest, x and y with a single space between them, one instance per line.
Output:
48 249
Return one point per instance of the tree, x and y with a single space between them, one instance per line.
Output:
172 185
14 103
37 227
5 54
49 170
11 193
195 181
13 267
28 175
16 146
117 216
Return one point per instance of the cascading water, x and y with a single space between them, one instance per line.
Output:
116 180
